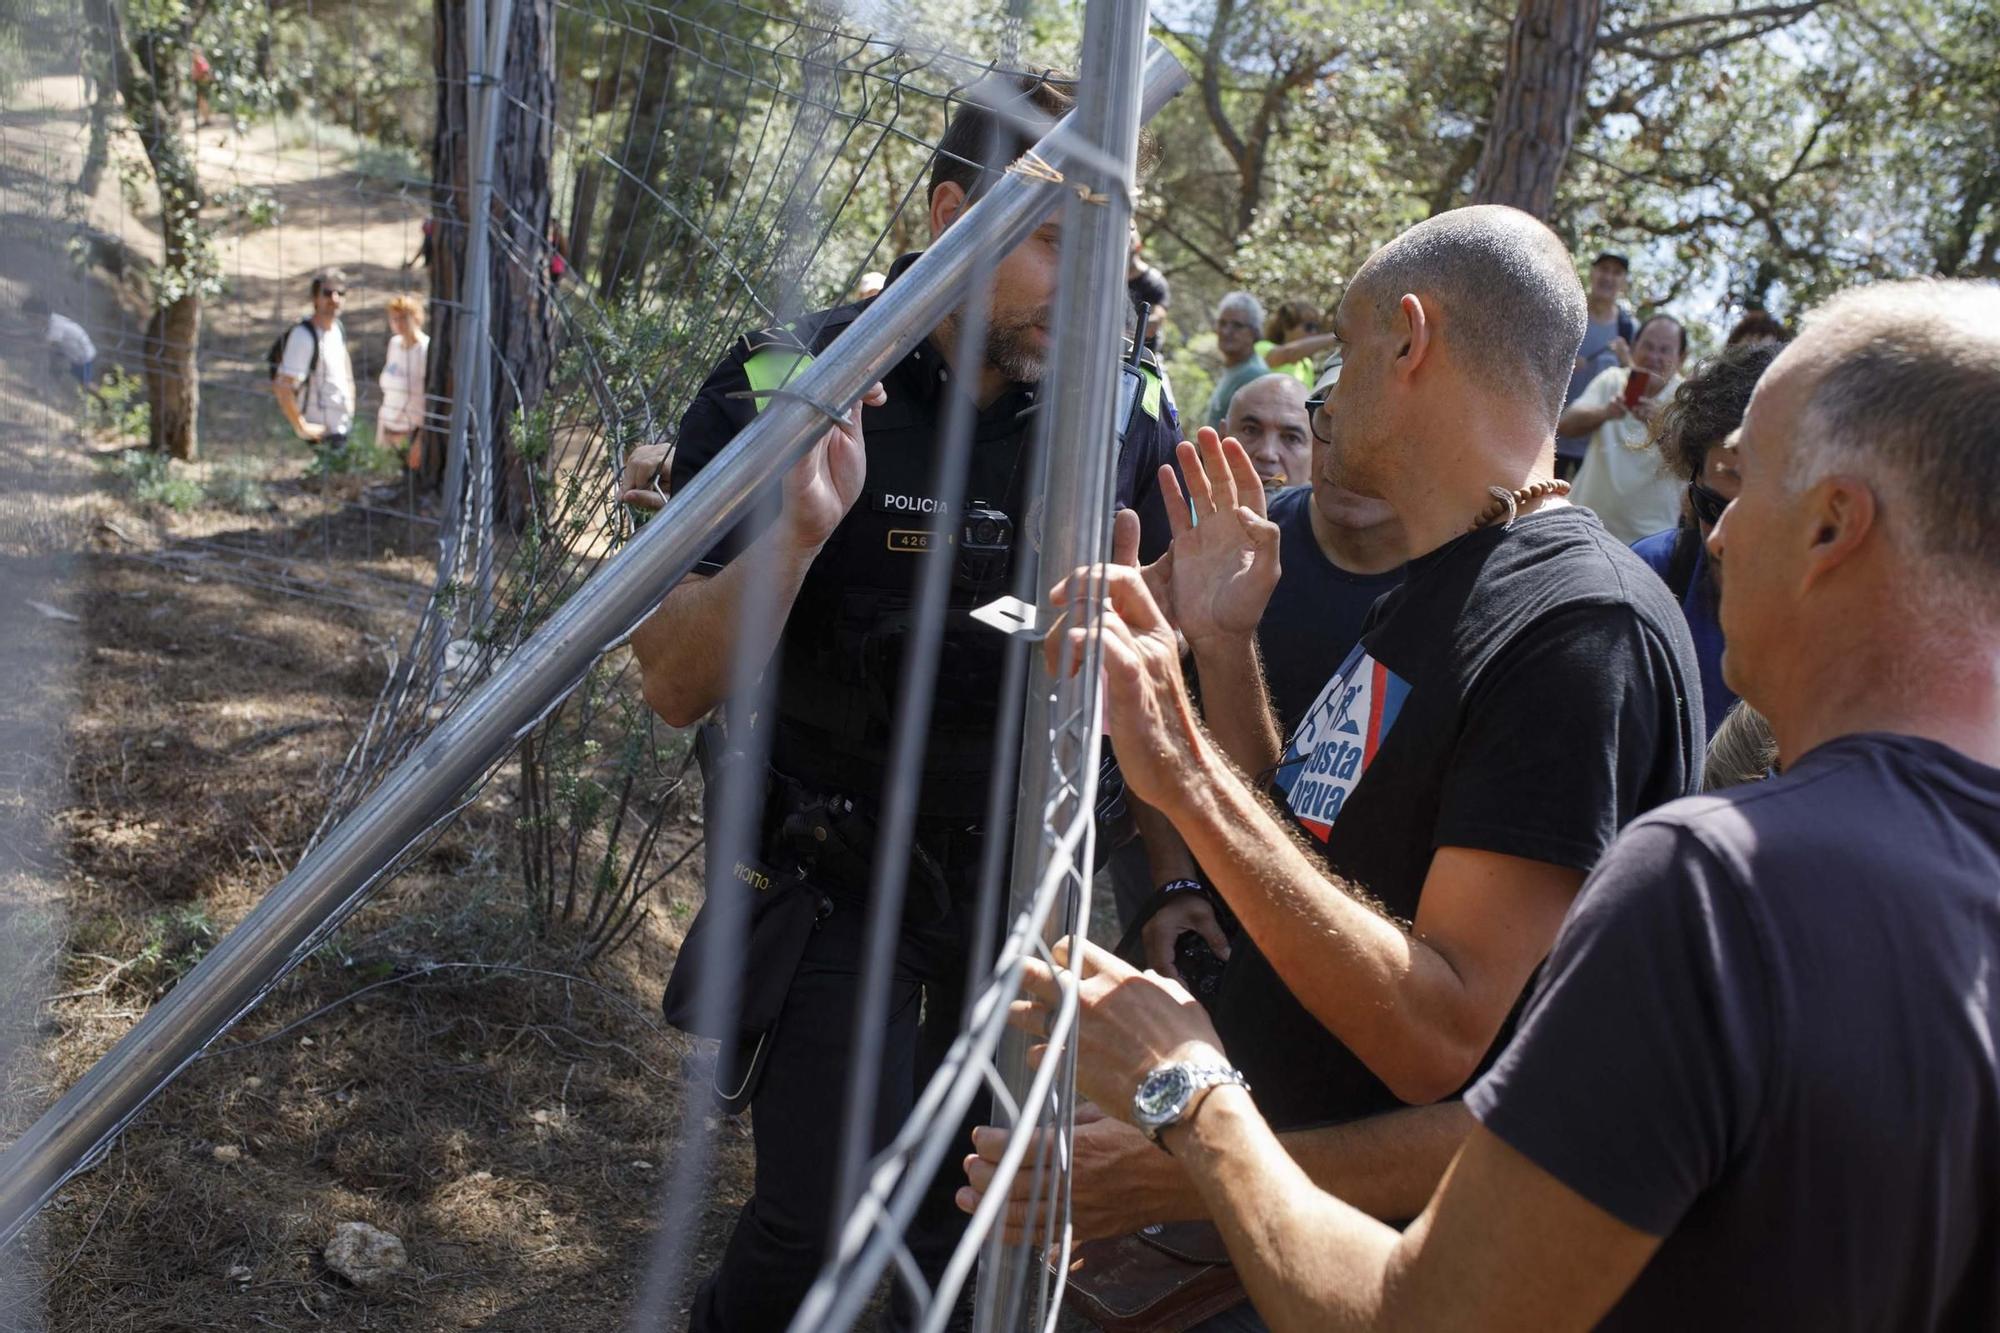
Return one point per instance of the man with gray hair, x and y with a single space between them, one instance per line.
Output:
1239 318
1527 691
1758 1085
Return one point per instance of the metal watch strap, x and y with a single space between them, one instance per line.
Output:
1206 1079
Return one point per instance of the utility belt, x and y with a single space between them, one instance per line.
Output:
815 856
831 839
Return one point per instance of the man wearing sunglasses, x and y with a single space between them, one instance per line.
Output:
1696 436
314 379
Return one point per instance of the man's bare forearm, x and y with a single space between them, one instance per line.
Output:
1309 1260
687 646
1390 998
1388 1165
288 403
1167 856
1235 704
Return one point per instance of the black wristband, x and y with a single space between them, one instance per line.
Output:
1174 886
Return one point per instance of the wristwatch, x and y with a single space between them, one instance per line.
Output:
1170 1093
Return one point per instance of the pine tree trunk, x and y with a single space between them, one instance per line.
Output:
1535 114
520 331
173 385
450 179
640 161
523 323
98 68
149 73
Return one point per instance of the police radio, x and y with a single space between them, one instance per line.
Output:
1131 383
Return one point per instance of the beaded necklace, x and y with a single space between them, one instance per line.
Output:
1511 503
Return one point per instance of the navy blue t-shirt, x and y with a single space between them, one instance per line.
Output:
1316 613
1698 604
1767 1033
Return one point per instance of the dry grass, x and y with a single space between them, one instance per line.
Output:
435 1070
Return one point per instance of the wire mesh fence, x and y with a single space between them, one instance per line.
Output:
618 192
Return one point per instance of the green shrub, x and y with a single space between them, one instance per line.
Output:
151 479
176 940
116 406
238 492
389 164
359 454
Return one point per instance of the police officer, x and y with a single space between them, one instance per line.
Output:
843 554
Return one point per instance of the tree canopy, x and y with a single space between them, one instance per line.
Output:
1744 154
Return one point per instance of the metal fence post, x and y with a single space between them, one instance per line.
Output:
471 378
1059 752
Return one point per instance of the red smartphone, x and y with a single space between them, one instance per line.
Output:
1636 383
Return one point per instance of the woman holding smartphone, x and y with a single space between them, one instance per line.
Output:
1623 477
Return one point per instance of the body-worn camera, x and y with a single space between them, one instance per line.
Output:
985 543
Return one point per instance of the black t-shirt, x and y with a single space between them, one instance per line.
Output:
1767 1033
840 656
1525 691
1315 614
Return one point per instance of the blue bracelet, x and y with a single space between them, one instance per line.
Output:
1182 886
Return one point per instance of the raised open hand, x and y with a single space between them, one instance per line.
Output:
1223 565
1146 705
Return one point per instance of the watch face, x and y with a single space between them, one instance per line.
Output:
1162 1096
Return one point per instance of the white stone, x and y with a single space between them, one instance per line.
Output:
365 1255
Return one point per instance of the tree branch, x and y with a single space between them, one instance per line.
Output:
1788 13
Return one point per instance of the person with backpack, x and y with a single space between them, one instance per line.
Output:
1704 413
310 370
1607 342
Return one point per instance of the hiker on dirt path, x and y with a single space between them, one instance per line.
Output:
67 341
311 372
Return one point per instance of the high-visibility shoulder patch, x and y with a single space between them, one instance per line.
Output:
772 369
1152 392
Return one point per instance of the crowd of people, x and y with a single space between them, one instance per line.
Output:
1567 780
1501 1023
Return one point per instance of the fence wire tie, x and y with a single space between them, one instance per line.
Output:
1035 167
837 418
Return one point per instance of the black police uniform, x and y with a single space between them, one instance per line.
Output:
838 678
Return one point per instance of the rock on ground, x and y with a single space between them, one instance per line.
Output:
365 1255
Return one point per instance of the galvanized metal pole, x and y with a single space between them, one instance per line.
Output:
337 875
1059 753
471 385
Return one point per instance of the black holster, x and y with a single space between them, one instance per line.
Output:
778 911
